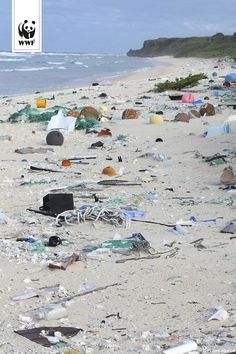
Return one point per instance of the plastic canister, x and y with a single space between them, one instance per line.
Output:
41 103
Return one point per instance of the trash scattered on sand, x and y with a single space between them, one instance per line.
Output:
122 241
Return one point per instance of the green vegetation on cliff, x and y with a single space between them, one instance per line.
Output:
218 45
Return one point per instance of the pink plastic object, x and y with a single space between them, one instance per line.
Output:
188 98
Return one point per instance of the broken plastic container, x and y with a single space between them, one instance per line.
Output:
59 121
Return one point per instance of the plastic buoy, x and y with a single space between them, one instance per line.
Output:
55 137
66 163
156 119
130 114
110 171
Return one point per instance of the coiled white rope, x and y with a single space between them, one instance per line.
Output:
94 213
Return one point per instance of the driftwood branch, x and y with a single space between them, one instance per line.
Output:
137 258
100 288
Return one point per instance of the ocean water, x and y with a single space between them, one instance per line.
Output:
27 73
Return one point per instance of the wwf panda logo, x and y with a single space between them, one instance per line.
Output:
26 29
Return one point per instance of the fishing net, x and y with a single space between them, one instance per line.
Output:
30 114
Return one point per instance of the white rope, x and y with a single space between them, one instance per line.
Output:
94 213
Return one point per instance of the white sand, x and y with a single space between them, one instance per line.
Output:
175 295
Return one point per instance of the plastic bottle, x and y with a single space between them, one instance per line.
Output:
51 312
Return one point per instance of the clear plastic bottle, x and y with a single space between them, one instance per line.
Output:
51 312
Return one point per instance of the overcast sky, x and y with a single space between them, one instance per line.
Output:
115 26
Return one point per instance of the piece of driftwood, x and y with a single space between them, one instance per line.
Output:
137 258
86 292
65 262
116 182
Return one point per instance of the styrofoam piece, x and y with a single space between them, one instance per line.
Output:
220 315
59 121
182 349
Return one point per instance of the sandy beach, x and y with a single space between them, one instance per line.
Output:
157 302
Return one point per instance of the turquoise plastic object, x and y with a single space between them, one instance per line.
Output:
29 114
112 244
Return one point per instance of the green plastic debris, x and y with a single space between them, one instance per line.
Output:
218 162
82 124
116 202
29 114
113 244
213 160
59 345
231 150
227 201
39 248
122 137
134 200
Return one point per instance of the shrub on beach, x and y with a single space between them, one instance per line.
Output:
179 84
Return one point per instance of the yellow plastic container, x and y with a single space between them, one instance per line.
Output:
41 103
156 119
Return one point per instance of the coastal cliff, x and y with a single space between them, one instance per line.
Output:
219 45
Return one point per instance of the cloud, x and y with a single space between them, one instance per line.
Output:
116 26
